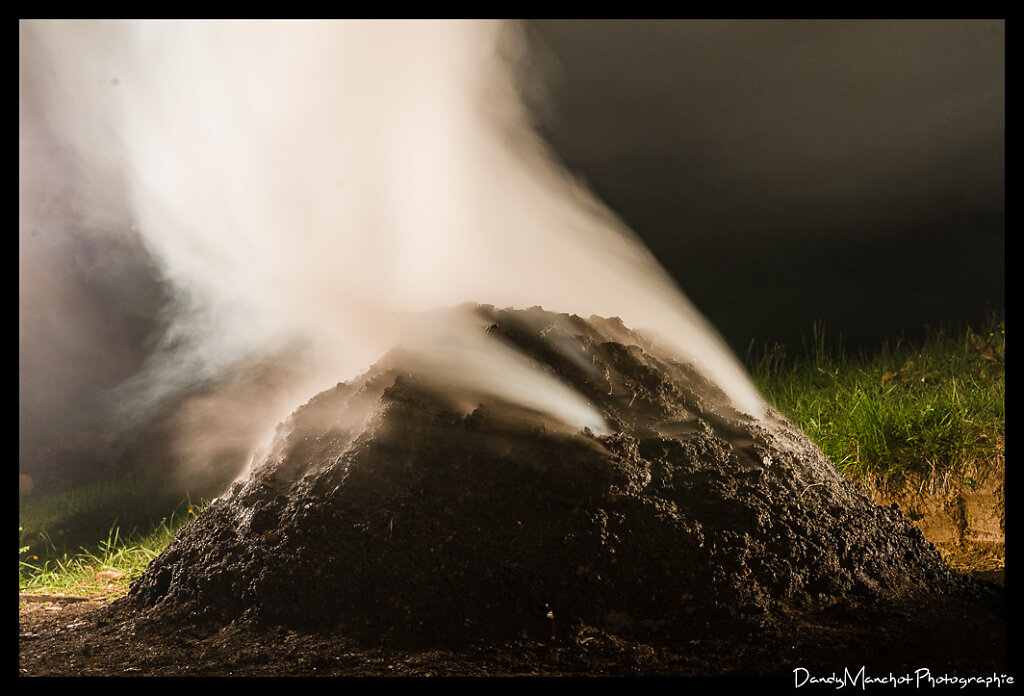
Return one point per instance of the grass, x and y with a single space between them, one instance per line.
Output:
102 572
49 516
935 407
92 540
59 521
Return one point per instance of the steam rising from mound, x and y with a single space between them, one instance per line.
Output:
311 185
395 506
327 190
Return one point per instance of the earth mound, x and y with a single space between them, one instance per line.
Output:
392 509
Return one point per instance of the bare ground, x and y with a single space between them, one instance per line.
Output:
943 635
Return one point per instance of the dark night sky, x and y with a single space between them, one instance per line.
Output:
792 171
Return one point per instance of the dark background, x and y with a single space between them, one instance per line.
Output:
791 172
784 172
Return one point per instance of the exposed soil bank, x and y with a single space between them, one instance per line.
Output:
965 518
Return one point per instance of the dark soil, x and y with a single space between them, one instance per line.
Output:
942 635
392 529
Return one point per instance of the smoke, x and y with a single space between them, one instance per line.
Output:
308 188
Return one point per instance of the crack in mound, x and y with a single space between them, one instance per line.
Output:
390 508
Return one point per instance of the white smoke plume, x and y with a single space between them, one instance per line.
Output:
314 184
